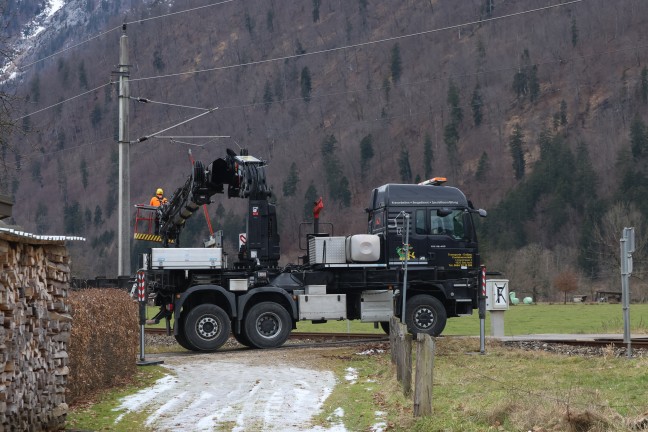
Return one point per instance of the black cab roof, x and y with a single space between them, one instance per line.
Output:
407 195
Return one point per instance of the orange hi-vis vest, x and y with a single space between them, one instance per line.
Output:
156 201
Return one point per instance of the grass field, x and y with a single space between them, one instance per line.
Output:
504 390
579 318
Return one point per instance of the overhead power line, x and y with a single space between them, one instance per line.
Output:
139 21
361 44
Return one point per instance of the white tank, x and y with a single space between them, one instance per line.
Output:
363 248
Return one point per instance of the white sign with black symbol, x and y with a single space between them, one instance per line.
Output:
497 294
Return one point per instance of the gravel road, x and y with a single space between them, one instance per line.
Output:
238 390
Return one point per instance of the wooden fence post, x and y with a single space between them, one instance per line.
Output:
406 364
424 375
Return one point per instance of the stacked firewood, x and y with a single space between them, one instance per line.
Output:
35 330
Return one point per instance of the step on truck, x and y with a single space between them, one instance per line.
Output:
418 260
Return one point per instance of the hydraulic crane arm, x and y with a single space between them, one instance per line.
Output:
244 175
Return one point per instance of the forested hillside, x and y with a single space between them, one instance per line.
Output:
537 110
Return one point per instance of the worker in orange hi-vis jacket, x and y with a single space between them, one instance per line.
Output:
158 199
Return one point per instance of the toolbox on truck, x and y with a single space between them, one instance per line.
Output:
322 307
186 258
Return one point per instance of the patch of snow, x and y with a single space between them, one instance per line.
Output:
351 375
203 395
371 351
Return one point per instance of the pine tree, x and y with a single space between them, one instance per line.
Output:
291 182
482 167
563 112
310 197
516 141
84 173
306 84
316 6
476 105
574 32
396 66
454 101
404 166
638 138
83 78
366 153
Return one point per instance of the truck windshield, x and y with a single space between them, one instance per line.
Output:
452 224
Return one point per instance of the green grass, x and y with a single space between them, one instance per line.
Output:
578 318
99 414
504 390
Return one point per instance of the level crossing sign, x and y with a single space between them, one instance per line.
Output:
497 294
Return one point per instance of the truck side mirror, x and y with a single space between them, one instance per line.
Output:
443 212
482 212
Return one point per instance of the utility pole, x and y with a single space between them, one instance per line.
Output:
123 228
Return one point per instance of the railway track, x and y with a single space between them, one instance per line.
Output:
322 339
637 343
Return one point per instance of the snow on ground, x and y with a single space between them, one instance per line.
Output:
242 392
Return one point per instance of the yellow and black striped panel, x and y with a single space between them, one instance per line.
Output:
150 237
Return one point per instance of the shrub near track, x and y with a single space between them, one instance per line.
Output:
103 343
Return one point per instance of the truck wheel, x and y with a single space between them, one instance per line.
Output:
207 327
181 337
243 339
267 325
384 325
425 314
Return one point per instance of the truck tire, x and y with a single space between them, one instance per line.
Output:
207 327
425 314
181 337
242 338
384 325
267 325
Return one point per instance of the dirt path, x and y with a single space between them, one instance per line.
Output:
242 390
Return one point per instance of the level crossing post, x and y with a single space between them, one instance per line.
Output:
141 297
482 312
627 248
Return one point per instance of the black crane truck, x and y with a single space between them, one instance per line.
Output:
351 277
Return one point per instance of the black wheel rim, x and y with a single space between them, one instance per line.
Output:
268 325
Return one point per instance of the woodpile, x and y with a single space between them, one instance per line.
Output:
36 323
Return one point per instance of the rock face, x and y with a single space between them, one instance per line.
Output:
35 330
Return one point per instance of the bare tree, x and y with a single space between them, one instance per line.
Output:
607 234
566 282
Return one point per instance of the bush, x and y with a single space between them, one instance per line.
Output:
103 343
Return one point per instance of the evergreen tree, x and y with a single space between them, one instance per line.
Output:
428 156
83 78
482 167
454 101
534 84
42 220
98 216
35 89
574 32
310 197
158 63
95 116
487 8
36 172
316 6
563 112
84 173
516 141
366 153
306 84
476 105
344 194
270 20
396 66
404 166
638 138
291 182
